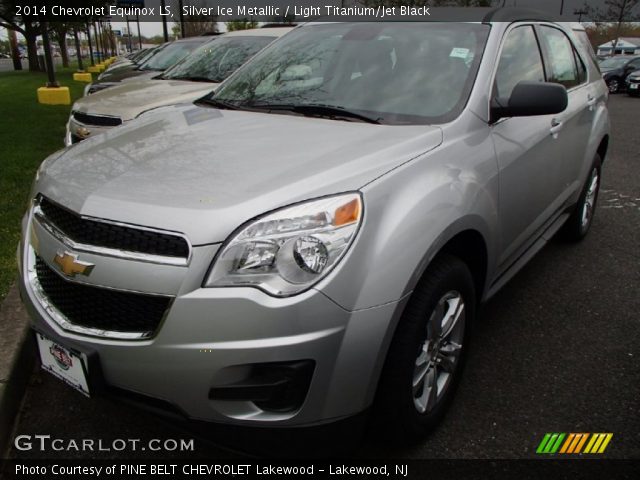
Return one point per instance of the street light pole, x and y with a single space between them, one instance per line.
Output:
90 45
165 32
97 39
580 13
139 37
78 50
182 32
129 35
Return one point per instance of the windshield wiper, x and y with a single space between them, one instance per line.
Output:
319 110
191 79
217 103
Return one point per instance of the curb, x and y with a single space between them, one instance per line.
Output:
17 357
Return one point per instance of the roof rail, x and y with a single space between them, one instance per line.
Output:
515 14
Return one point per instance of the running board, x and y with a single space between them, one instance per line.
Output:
546 236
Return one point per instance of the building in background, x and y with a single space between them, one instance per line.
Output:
625 46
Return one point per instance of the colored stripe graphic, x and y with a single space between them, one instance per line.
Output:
550 443
573 443
598 442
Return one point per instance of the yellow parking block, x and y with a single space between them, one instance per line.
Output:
82 77
102 67
93 69
54 96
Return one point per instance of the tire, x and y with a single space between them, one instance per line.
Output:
614 85
579 223
407 411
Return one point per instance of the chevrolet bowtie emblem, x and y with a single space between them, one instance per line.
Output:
71 266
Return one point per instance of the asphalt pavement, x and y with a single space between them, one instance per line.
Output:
557 350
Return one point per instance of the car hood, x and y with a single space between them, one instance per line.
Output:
131 98
120 73
203 171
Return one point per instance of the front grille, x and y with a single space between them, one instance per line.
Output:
98 120
99 308
101 234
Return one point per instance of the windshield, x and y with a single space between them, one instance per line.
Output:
139 54
218 59
169 55
393 73
614 62
146 54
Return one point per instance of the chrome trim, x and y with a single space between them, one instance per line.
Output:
79 122
64 323
45 223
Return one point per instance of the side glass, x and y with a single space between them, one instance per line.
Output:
520 60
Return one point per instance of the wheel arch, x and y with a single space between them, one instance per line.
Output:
603 148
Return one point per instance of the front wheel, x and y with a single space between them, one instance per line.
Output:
426 354
579 222
613 85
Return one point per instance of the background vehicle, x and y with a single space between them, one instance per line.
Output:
633 83
194 76
153 63
312 240
616 69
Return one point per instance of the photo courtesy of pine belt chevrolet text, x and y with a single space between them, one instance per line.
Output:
311 240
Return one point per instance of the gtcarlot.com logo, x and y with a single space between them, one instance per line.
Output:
48 443
574 443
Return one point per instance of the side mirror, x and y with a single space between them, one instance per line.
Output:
530 99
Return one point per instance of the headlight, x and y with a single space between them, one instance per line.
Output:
288 251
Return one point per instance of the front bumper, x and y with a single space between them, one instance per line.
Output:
213 337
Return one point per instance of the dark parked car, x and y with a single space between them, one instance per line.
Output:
616 69
633 84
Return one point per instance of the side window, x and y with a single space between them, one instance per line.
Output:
562 59
583 38
520 60
582 70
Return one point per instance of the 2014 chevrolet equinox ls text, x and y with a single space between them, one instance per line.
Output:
312 240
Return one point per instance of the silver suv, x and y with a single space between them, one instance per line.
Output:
313 239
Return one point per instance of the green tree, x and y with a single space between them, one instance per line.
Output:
616 12
25 26
59 31
242 24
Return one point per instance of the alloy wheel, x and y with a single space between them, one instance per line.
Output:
440 352
590 199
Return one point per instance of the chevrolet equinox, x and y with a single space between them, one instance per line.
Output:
313 239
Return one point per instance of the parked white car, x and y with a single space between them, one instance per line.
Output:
193 77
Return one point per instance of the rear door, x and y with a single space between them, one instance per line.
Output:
565 66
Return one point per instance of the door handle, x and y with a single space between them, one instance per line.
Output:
556 126
591 101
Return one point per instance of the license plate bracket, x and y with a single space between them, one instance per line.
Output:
67 364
